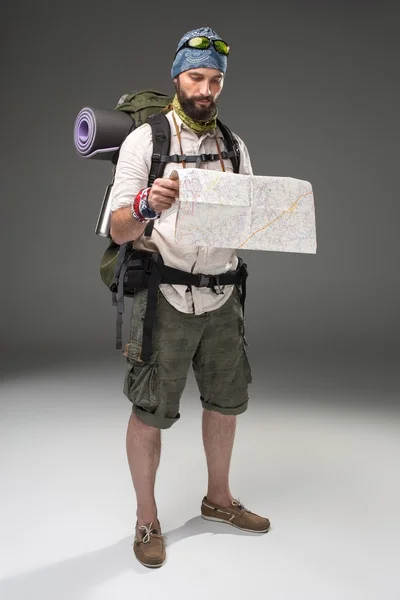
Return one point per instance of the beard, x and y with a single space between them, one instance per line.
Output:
194 111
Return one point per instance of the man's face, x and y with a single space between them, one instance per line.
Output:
198 91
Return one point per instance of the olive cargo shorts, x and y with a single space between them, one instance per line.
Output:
213 342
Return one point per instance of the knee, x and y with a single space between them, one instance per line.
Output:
136 424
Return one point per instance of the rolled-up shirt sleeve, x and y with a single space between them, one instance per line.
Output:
133 167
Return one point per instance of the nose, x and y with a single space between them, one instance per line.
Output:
205 89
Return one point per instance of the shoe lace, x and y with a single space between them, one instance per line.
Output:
149 532
236 502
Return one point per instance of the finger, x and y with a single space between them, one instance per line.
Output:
166 194
168 184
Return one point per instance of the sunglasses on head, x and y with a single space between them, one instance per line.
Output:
202 43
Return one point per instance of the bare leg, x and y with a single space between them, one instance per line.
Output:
218 437
143 445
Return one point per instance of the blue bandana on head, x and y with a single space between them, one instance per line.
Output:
191 58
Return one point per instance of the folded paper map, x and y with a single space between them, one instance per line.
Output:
251 212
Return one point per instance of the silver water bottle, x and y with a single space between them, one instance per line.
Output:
103 221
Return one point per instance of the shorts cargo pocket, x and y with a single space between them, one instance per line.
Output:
141 384
134 345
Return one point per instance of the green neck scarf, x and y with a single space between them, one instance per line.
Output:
198 127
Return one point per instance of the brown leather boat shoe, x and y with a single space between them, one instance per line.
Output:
235 514
149 546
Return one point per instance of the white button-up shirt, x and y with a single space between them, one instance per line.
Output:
131 175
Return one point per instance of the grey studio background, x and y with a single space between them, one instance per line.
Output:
310 88
313 90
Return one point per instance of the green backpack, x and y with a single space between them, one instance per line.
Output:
140 105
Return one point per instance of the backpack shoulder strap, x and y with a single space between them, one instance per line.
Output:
161 132
161 143
231 144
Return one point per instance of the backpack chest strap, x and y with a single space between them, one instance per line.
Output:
191 158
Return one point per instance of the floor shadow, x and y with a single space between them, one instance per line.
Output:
74 577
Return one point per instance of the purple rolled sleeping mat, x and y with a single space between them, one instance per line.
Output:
99 133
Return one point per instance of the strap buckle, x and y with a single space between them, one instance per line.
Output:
176 158
211 281
217 286
204 280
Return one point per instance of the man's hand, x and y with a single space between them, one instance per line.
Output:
163 193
